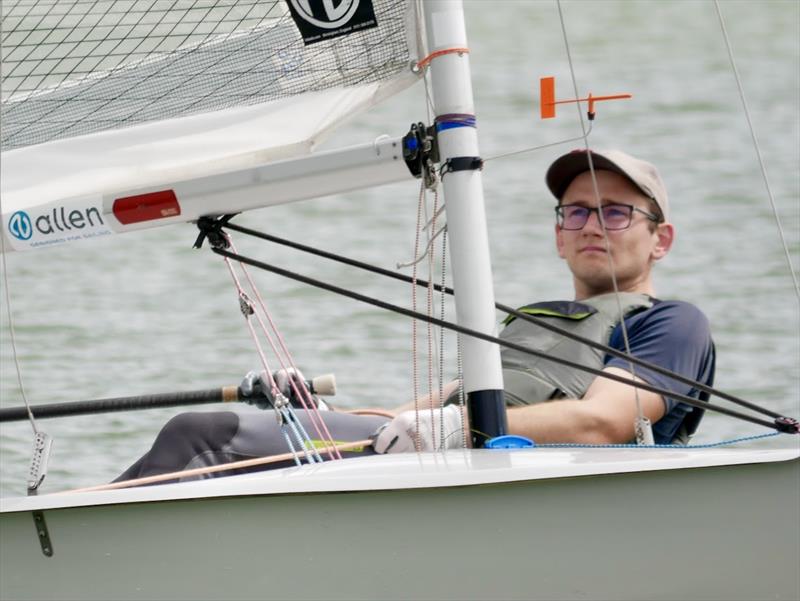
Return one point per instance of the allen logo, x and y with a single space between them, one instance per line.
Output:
328 14
56 225
20 225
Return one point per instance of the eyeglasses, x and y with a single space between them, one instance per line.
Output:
615 217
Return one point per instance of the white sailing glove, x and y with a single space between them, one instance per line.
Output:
399 435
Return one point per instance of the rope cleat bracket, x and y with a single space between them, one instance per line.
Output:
211 228
788 425
41 452
421 152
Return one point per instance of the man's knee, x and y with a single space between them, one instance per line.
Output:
197 431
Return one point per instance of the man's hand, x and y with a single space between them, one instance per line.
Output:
257 383
399 435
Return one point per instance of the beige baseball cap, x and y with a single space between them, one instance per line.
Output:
641 173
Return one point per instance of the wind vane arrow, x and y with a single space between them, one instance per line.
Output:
548 102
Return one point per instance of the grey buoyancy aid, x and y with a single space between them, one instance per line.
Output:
529 379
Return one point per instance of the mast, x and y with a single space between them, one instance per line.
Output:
466 215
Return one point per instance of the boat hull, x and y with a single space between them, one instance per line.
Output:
711 532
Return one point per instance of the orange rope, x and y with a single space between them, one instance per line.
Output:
424 62
212 469
378 412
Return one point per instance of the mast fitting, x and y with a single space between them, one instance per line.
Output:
421 148
211 227
787 425
461 164
421 152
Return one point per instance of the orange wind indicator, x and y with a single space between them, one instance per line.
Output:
548 102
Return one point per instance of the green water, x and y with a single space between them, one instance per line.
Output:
144 313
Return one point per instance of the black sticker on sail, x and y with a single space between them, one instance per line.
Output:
320 20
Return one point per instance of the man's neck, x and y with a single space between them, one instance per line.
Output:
583 292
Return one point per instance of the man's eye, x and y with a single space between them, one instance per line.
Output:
575 211
614 212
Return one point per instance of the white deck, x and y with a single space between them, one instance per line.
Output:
416 471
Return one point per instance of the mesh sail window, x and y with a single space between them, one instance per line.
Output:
77 67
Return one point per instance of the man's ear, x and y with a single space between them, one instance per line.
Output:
665 233
559 241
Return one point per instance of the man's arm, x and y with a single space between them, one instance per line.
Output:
606 414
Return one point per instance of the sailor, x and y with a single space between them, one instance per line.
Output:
612 226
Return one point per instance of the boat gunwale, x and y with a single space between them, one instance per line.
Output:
392 473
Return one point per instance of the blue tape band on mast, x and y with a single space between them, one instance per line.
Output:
444 122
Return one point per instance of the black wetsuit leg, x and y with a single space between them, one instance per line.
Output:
192 440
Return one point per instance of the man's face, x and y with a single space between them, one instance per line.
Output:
633 250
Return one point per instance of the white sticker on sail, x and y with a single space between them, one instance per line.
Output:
56 223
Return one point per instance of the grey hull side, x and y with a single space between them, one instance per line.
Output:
724 532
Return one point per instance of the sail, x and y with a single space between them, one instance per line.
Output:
73 68
116 95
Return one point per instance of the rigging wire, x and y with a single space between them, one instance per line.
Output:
644 434
510 311
12 334
541 147
781 423
757 148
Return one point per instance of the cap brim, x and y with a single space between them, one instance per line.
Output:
566 168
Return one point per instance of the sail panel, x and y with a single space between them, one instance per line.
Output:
164 153
72 68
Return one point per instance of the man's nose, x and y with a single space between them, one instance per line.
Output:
593 223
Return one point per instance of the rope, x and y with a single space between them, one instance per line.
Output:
758 151
288 418
301 392
462 401
436 54
441 333
428 248
430 332
365 443
200 471
723 443
414 366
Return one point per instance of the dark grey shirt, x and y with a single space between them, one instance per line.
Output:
674 335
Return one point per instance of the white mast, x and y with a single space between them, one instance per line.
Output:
466 216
